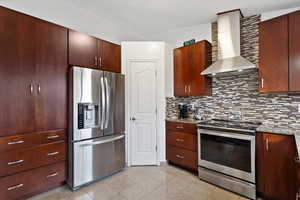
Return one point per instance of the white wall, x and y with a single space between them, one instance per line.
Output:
148 50
71 15
175 38
276 13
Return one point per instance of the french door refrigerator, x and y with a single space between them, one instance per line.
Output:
96 125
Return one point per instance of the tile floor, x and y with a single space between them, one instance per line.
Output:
145 183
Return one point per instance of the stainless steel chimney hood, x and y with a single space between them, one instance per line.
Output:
229 60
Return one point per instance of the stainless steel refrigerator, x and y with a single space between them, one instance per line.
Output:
96 125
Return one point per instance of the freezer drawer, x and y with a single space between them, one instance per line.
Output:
97 158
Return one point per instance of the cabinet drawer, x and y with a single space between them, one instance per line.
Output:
182 127
52 136
183 140
29 158
182 157
31 182
31 139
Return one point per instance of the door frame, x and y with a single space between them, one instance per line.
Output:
128 113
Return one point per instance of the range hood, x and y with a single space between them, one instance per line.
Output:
229 60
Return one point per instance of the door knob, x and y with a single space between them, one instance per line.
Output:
133 118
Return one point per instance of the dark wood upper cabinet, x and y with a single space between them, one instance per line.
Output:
294 45
180 71
189 62
17 72
83 50
273 55
110 55
87 51
276 166
279 49
51 76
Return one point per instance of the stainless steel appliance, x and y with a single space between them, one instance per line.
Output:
96 126
226 155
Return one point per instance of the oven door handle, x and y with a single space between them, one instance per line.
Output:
228 135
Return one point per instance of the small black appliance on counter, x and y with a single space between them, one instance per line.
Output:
183 110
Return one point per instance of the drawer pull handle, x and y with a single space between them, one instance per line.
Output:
53 153
179 140
15 162
179 127
17 142
15 187
179 156
52 136
52 175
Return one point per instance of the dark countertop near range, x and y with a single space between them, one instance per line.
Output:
187 121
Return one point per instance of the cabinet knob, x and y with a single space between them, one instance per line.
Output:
267 144
16 142
262 82
15 162
96 61
180 156
52 136
100 62
15 187
31 88
179 127
53 153
52 175
179 140
189 89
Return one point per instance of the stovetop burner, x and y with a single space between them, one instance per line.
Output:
220 124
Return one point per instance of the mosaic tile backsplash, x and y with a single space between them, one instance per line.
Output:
240 93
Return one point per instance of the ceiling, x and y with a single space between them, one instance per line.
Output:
138 19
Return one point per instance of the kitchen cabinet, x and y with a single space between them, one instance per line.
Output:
51 77
110 55
276 166
33 84
83 50
294 50
189 62
181 144
279 63
17 72
88 51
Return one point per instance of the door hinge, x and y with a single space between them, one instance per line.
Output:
156 148
155 73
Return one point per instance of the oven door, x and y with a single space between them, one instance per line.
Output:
229 153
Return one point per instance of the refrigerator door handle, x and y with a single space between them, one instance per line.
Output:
103 102
107 102
102 141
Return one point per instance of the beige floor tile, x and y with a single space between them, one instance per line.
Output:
145 183
139 190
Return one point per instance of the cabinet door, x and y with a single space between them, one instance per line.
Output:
17 69
83 50
273 58
199 60
110 55
181 71
278 167
294 45
51 76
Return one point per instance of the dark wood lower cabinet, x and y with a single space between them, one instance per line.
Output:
31 182
181 144
276 168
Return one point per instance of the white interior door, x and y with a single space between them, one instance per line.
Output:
143 112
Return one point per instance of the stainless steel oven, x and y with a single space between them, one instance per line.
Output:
227 158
